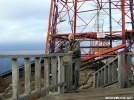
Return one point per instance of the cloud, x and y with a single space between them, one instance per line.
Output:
23 20
27 21
23 9
23 36
17 32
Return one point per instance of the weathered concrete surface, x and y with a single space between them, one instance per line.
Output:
94 94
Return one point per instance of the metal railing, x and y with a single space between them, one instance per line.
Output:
61 75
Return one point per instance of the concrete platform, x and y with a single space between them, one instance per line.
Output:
94 94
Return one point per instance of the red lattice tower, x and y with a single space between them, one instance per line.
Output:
103 27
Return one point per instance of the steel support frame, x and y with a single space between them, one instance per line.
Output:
67 7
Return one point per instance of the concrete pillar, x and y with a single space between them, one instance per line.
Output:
27 67
68 76
37 74
15 78
54 71
61 75
46 72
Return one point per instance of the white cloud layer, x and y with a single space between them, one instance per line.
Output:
23 20
27 21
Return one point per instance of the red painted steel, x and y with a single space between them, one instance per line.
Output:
88 20
49 28
103 52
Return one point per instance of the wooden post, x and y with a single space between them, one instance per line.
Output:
102 77
46 72
106 75
27 76
114 71
109 73
68 75
15 78
95 80
98 79
37 74
54 71
129 71
120 71
61 75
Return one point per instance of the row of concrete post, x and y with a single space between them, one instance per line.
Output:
61 75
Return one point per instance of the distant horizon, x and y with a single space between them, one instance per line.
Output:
18 48
6 63
23 28
23 52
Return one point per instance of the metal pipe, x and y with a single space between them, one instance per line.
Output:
131 12
110 23
75 15
49 27
123 22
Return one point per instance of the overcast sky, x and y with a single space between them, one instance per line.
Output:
23 22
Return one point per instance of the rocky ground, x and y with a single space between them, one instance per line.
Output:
86 82
86 79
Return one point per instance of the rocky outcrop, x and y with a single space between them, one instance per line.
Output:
86 79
